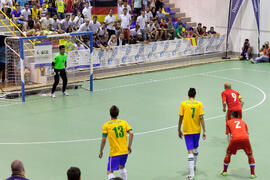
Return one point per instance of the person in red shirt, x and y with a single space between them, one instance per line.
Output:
237 129
232 99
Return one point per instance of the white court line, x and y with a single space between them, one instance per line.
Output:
155 130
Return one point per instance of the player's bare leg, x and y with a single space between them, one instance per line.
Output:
123 172
251 162
227 161
191 165
110 175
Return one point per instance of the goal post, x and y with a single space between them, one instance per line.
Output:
43 49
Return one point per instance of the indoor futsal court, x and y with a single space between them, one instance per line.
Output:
50 135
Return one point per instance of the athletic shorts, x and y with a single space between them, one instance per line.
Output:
236 145
229 113
192 141
115 161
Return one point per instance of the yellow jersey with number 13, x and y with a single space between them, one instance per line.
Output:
116 130
191 112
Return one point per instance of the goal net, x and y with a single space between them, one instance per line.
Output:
29 63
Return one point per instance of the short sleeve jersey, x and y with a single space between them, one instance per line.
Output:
191 112
60 61
231 97
60 6
237 128
116 131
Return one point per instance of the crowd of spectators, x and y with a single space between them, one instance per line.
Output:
18 172
142 21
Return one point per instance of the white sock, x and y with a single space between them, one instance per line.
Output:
195 153
123 173
110 176
191 164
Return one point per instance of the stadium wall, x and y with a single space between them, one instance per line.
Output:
215 13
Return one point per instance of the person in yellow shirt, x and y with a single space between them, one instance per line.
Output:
116 130
60 8
191 116
35 12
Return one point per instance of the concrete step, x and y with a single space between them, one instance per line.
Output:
186 19
175 10
180 15
169 5
191 24
4 28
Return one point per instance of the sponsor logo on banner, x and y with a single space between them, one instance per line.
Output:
128 50
100 54
114 54
211 41
221 40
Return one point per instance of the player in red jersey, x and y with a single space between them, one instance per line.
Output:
232 99
238 130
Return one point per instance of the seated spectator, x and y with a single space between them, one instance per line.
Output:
152 34
125 19
140 38
212 32
69 29
43 10
46 21
6 6
17 15
85 26
112 41
37 27
133 34
30 30
121 40
72 22
180 32
79 46
51 9
87 11
160 15
104 42
35 11
125 5
164 30
157 29
179 21
265 54
78 19
171 29
65 23
25 14
246 50
153 11
56 24
142 20
74 173
204 31
190 33
18 172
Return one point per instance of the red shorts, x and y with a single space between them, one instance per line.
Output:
229 113
236 145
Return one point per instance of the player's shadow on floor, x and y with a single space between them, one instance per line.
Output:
217 141
182 175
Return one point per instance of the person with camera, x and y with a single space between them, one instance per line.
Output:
265 56
246 50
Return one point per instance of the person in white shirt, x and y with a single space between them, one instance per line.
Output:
85 26
125 24
46 21
56 24
78 19
65 23
25 14
125 5
141 20
148 14
87 11
110 21
94 25
112 42
120 7
102 30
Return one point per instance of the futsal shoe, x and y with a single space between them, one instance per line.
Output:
224 173
65 94
252 61
53 96
189 177
253 176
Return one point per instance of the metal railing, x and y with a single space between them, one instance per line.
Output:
13 31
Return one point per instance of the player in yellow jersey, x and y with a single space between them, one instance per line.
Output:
191 116
116 130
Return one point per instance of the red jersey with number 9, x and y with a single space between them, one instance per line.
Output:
231 97
237 128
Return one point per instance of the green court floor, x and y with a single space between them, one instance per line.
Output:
49 135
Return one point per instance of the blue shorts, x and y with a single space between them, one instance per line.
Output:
116 161
192 141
